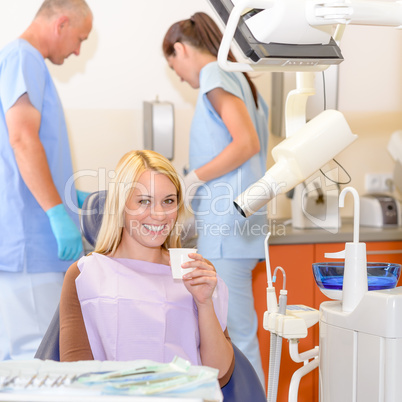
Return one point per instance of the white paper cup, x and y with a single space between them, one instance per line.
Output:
179 256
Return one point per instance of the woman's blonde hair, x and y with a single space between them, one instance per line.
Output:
128 171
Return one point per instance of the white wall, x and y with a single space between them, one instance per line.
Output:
122 65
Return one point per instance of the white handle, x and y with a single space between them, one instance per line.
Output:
356 218
339 254
230 30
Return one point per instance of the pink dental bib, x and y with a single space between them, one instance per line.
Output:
135 310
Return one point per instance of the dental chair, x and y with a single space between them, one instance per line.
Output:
243 386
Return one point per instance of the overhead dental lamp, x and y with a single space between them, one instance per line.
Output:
300 36
295 35
274 36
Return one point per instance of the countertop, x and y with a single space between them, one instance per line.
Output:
282 232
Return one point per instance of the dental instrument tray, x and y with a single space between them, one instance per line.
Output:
36 380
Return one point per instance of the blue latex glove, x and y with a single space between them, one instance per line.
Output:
68 237
81 196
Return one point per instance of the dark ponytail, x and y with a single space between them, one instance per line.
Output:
201 32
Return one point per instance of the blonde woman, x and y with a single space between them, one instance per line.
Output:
121 302
228 153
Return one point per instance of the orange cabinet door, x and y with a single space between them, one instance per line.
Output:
385 252
296 260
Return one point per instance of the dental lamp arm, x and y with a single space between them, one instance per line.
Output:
296 102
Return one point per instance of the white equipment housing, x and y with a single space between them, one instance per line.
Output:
361 351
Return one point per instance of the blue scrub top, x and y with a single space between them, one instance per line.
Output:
222 231
26 238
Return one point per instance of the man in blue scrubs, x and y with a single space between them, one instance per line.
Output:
39 227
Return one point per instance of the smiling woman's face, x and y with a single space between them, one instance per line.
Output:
151 211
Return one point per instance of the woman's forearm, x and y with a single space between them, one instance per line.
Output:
215 349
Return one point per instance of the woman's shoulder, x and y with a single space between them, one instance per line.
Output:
71 274
213 76
212 71
85 259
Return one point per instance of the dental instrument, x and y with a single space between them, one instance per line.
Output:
275 345
289 322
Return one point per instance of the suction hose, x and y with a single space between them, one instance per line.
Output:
271 369
276 345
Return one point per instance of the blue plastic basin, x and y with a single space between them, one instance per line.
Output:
329 276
